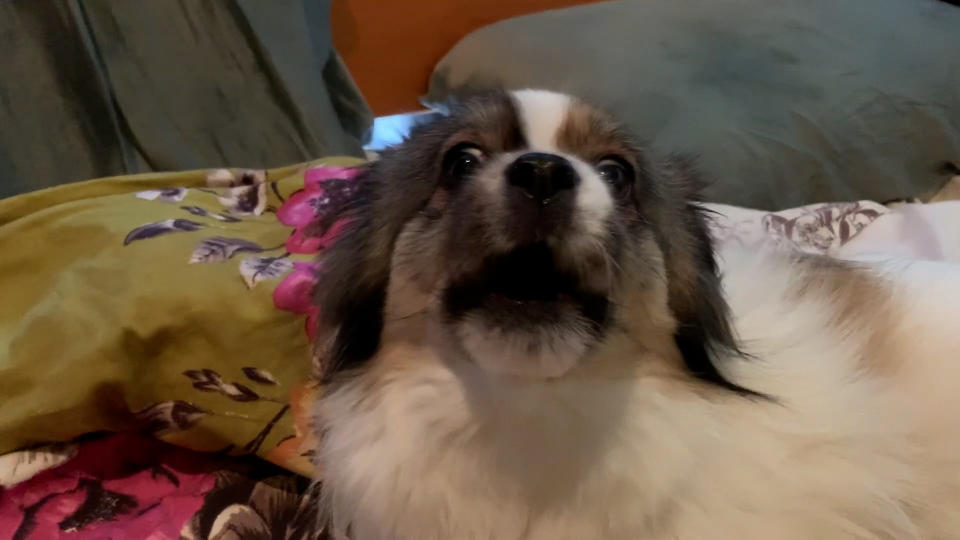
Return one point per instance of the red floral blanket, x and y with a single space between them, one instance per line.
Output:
134 487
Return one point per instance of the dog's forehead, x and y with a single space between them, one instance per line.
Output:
555 122
542 115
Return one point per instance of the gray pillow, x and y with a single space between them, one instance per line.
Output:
787 102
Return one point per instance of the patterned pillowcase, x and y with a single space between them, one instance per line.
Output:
820 229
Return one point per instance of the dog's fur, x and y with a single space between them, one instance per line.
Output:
821 404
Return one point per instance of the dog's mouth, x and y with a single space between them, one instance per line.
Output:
525 287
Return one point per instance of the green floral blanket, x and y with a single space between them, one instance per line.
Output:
173 304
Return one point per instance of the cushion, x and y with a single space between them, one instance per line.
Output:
174 304
786 103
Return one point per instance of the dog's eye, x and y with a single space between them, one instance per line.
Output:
462 160
614 172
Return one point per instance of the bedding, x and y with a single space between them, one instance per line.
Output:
131 487
165 303
174 311
787 103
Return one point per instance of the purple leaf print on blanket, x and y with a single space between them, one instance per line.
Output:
258 375
197 211
169 195
151 230
256 269
238 392
219 249
205 380
208 380
169 416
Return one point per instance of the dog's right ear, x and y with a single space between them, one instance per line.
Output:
354 272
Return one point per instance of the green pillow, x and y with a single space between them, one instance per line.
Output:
786 102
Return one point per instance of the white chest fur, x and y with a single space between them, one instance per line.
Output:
434 449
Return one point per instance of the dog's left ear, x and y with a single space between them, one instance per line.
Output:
695 295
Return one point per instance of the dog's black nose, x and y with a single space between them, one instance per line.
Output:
542 176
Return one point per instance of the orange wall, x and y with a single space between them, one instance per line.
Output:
391 46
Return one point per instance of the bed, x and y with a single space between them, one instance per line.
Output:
148 349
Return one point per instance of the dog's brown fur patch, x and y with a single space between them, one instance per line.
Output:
592 135
859 304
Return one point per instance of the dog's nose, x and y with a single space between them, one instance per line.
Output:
542 176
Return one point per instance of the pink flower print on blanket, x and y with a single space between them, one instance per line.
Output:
295 294
316 211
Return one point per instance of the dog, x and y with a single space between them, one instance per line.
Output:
525 334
